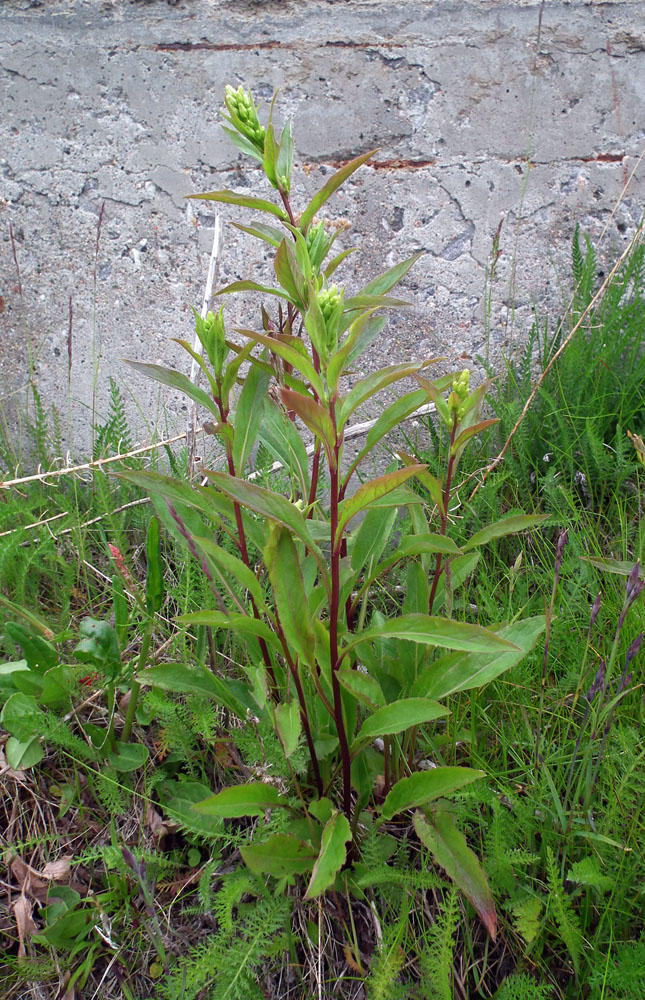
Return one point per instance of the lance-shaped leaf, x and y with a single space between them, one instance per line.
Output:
415 545
243 200
269 234
271 505
470 432
506 526
279 435
434 631
313 415
339 359
176 380
292 355
398 717
251 799
391 277
240 624
288 723
283 565
288 274
331 185
338 259
367 387
248 415
369 492
463 671
449 849
154 569
332 855
254 286
620 566
391 417
185 678
281 855
233 567
425 786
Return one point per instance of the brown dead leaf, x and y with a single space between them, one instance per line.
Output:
27 877
154 822
24 923
57 871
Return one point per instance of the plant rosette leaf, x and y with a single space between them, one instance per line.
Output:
449 849
281 855
424 786
332 855
38 653
21 754
21 716
251 799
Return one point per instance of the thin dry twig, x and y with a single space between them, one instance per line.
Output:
213 274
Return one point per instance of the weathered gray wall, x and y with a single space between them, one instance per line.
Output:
479 108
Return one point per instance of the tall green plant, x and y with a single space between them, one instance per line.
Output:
291 577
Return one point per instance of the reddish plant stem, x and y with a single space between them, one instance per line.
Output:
443 513
315 466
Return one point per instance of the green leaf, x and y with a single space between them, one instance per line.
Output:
506 526
287 718
434 631
283 565
154 570
398 717
391 277
367 387
238 623
99 645
369 492
331 857
21 716
254 286
338 259
251 799
279 435
21 754
332 184
244 201
183 678
463 671
58 683
471 432
232 567
176 380
281 855
425 786
38 653
267 233
288 274
296 358
271 505
449 849
619 566
431 483
362 686
128 756
8 671
414 545
248 416
242 143
313 415
371 537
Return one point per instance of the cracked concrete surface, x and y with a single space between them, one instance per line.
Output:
480 109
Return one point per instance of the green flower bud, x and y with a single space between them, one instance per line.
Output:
211 333
244 116
330 301
315 240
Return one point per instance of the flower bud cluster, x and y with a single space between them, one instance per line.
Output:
210 331
244 115
459 393
330 301
315 240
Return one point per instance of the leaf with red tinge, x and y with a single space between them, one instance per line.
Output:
449 848
332 855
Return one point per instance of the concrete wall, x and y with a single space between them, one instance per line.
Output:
529 110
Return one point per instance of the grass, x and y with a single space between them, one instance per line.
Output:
150 899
